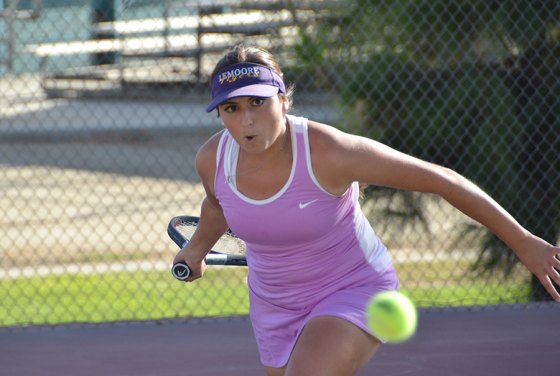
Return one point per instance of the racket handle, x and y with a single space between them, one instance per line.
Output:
223 259
181 271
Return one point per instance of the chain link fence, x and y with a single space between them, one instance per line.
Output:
102 111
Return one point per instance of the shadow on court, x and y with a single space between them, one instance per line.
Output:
504 341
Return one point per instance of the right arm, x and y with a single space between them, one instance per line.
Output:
212 224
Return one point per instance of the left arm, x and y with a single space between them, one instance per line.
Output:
340 158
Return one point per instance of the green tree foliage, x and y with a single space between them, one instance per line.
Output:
473 85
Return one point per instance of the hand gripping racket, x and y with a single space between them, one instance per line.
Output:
228 250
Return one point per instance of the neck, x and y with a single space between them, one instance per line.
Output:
271 156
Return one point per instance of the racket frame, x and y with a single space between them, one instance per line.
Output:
181 270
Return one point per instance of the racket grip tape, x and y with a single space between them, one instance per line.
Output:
181 271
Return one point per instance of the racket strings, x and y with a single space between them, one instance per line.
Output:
228 243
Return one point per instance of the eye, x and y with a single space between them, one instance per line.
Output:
257 101
229 108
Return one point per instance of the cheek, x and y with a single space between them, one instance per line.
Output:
231 125
278 108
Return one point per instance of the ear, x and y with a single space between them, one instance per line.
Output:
285 104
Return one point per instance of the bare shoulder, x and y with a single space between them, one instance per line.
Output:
206 159
331 143
323 135
339 158
327 141
329 150
209 148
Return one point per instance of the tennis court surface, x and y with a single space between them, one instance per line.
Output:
521 341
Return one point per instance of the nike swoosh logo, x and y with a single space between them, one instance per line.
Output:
303 205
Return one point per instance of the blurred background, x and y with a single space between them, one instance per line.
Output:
102 111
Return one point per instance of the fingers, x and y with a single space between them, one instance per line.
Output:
555 265
194 269
193 277
184 273
556 262
552 275
554 255
547 283
196 273
555 276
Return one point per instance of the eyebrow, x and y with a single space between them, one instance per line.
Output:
231 101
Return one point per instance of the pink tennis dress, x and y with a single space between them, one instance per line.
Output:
310 253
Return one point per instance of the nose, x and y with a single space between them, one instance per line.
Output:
248 117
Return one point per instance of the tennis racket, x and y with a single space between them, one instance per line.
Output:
228 250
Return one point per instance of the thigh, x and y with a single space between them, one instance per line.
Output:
331 346
270 371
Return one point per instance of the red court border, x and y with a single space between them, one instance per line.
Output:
513 341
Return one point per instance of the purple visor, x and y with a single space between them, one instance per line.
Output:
244 80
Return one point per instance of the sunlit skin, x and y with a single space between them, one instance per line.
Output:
255 123
338 159
327 344
265 157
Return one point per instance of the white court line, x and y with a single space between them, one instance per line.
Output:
82 269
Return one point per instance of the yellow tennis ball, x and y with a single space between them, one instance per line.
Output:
392 317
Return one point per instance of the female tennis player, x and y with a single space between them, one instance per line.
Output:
288 186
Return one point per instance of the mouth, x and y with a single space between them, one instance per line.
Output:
250 138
